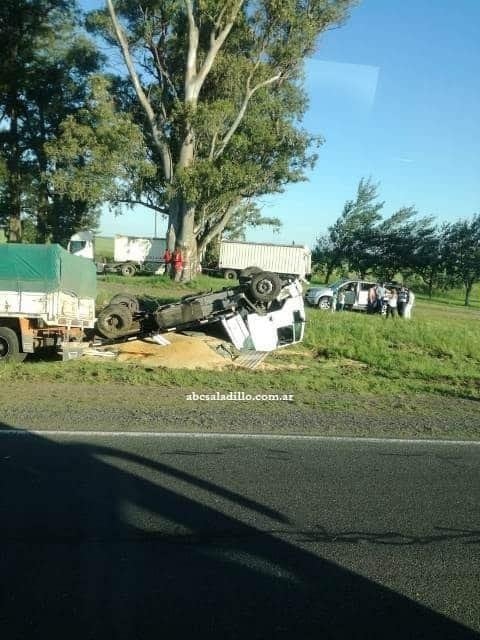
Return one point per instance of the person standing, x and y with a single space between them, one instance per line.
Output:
408 308
333 306
380 293
341 300
372 300
392 304
167 259
402 301
177 262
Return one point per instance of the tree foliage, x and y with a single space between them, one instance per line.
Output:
461 241
43 80
364 242
216 87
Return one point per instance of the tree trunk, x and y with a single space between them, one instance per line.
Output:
44 233
430 287
468 291
14 178
328 275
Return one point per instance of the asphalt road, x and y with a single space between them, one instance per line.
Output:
125 537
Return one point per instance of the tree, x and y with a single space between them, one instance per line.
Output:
217 91
362 241
462 252
428 258
350 239
42 82
401 243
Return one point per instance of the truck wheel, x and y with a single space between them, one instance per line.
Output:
128 270
114 321
324 303
10 346
249 272
127 301
230 274
265 286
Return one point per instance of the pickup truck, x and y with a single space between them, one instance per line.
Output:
264 312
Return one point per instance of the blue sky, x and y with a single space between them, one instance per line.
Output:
395 93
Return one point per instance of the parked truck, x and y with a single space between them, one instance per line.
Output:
47 300
263 313
131 253
285 259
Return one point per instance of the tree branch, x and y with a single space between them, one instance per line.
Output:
145 103
216 42
149 205
242 111
191 70
218 227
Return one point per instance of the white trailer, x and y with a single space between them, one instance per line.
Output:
284 259
131 253
142 251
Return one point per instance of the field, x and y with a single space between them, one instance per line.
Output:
349 364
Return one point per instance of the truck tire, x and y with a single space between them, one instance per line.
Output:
249 272
10 346
128 270
265 286
127 301
230 274
114 321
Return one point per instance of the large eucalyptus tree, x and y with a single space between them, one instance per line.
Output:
217 89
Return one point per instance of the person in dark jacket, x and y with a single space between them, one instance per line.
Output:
403 299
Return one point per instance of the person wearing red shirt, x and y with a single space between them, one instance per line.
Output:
167 258
177 262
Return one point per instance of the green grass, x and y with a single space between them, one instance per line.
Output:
159 287
436 353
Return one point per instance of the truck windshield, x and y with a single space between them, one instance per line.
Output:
77 245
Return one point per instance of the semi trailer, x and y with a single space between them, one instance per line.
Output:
285 259
131 254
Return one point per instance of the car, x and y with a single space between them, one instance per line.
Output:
356 294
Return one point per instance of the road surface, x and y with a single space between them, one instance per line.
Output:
138 536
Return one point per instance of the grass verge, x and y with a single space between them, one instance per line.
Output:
350 365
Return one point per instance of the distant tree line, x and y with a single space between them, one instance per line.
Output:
363 242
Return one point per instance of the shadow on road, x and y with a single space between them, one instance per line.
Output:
77 562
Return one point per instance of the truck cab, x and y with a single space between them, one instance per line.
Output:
82 244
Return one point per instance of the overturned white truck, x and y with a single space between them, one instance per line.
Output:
47 300
263 313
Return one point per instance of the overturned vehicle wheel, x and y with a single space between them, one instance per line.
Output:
126 300
265 286
114 321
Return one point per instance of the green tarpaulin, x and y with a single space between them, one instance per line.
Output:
45 268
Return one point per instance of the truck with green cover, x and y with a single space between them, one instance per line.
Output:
47 300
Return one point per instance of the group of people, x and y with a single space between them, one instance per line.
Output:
397 302
173 263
